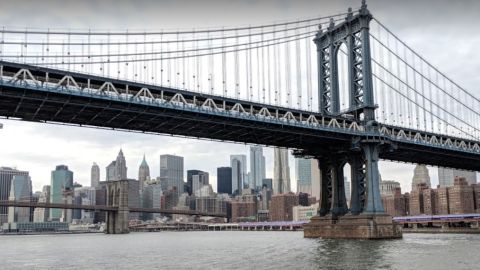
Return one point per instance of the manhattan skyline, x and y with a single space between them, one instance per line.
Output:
38 148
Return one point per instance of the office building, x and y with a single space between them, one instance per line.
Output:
257 167
447 176
307 174
143 174
42 214
239 172
196 179
171 171
281 206
281 171
224 180
20 190
420 176
61 180
95 175
267 182
6 176
388 187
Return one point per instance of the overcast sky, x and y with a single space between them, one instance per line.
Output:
445 32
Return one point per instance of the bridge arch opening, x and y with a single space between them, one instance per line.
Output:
343 76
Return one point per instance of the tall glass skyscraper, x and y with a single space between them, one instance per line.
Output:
61 180
20 190
307 174
171 171
257 167
239 172
281 171
224 180
6 176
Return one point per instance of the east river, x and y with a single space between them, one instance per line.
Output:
236 250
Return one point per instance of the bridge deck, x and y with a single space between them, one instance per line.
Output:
45 95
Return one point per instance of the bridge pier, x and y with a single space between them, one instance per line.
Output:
117 195
367 218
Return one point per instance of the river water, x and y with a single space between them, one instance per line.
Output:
236 250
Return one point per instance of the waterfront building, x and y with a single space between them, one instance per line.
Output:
304 213
420 176
461 197
95 175
257 167
143 174
446 176
224 180
281 206
171 171
238 163
395 203
20 190
244 208
61 180
6 176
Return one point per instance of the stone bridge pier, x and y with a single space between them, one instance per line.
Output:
117 196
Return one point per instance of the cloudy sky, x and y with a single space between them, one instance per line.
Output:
443 31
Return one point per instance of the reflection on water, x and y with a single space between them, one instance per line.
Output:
236 250
345 254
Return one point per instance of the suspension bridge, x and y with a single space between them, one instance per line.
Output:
341 89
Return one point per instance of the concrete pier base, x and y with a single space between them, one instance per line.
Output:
363 226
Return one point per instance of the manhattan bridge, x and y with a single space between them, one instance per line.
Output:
341 89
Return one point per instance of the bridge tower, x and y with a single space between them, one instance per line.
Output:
366 217
117 196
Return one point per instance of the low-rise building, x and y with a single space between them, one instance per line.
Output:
304 213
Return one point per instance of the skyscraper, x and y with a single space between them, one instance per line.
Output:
171 171
95 175
120 167
239 172
281 171
257 167
117 169
6 176
190 174
111 170
20 190
41 214
143 173
308 176
420 175
199 180
224 180
447 176
62 180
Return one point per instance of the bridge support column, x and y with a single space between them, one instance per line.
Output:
367 219
357 199
117 195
